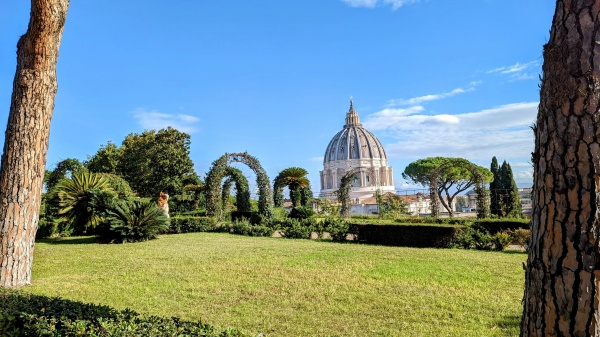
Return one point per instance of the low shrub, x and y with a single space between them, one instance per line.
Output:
23 314
337 228
301 212
192 224
132 221
244 227
254 217
475 238
297 229
520 237
408 235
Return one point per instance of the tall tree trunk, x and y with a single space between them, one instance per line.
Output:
563 270
26 141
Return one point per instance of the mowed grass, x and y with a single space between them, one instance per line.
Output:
283 287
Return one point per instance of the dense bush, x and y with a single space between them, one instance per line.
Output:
408 235
520 237
473 237
23 314
337 228
297 229
254 217
192 224
301 212
133 221
244 227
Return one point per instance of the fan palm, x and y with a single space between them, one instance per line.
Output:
84 199
295 179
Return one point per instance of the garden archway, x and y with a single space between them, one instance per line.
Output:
219 170
242 196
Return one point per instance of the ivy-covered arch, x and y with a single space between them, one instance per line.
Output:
343 193
219 170
242 196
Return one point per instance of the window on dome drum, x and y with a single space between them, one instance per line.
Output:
367 178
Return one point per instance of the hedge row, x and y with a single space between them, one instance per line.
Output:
23 314
408 235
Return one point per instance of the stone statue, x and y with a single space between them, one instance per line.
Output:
163 203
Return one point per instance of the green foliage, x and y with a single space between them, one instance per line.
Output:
504 192
390 205
155 161
520 236
120 186
218 171
449 176
133 221
295 179
473 237
301 212
244 227
343 193
297 229
23 314
192 224
84 199
63 170
105 160
338 229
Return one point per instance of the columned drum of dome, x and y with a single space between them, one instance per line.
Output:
356 148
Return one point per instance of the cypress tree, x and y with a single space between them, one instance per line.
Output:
514 208
494 199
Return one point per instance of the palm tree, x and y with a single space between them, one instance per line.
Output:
295 179
84 199
132 221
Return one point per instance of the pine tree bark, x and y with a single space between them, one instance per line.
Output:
26 139
563 267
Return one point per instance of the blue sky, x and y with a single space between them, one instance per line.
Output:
274 78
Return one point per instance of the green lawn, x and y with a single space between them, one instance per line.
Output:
284 287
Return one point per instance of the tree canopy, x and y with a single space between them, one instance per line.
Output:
150 162
449 176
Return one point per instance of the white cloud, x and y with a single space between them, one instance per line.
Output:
316 159
518 71
154 120
395 4
502 132
432 97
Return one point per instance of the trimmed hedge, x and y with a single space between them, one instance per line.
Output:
494 226
23 314
408 235
193 224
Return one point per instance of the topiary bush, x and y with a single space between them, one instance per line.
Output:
408 235
244 227
23 314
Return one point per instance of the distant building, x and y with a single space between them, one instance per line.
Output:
355 147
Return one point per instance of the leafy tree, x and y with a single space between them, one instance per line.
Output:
105 160
449 176
26 139
562 273
295 179
156 161
62 170
504 192
461 202
84 199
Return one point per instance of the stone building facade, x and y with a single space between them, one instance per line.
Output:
355 147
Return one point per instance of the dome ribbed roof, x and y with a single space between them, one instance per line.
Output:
353 142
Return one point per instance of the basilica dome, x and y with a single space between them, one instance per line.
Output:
356 148
353 142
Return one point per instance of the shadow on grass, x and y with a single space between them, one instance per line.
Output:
510 322
80 240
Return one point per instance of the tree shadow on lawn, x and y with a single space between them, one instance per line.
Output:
509 322
80 240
